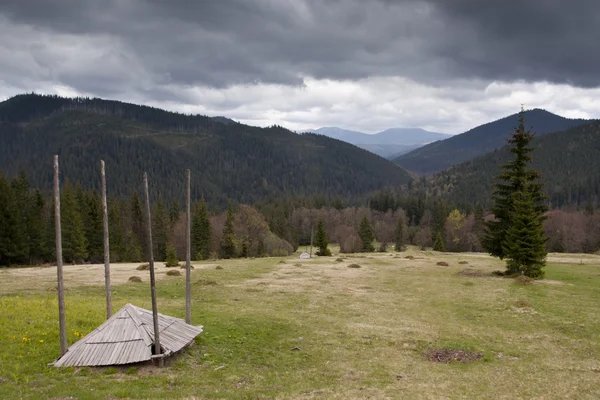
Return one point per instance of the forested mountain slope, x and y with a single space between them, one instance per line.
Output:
478 141
227 159
568 161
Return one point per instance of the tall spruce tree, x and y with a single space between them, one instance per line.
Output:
321 241
438 244
365 232
514 179
74 242
201 231
399 235
227 248
524 244
160 227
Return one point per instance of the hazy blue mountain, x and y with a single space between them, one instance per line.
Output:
389 143
478 141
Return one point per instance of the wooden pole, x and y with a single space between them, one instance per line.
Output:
62 319
188 251
152 278
106 248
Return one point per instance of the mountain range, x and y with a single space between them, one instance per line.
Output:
569 163
228 160
437 156
389 143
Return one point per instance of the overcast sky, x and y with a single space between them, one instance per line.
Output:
367 65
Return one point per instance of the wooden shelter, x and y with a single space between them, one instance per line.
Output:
128 337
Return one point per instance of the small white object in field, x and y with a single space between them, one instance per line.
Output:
304 255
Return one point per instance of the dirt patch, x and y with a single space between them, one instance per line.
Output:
206 282
447 356
475 273
442 263
2 380
354 266
174 272
135 279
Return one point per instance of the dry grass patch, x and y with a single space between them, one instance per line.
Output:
354 266
463 262
143 267
442 263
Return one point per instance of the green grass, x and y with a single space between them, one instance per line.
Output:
360 332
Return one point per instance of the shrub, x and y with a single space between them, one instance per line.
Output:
523 280
218 267
463 262
174 272
382 247
135 279
339 259
442 263
276 246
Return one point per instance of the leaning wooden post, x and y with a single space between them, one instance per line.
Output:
106 248
188 251
157 351
62 319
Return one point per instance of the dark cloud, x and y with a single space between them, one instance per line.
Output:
227 42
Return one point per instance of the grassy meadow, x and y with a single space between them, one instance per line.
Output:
315 329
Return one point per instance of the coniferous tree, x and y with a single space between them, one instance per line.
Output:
91 211
321 241
365 232
438 245
399 235
36 227
137 220
524 244
478 222
116 233
514 179
260 252
227 249
74 243
19 203
12 237
201 232
160 230
171 259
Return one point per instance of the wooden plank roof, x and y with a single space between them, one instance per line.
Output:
127 337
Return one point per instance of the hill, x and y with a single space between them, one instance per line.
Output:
478 141
389 143
227 159
569 162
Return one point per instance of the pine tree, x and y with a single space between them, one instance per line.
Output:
159 230
260 252
90 205
74 242
36 227
244 251
171 259
321 241
366 235
137 221
201 232
12 234
514 178
399 235
478 222
524 245
438 245
227 249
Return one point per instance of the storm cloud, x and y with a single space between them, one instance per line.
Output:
183 53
